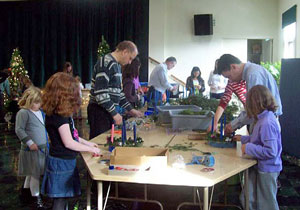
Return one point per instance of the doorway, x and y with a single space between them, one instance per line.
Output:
260 50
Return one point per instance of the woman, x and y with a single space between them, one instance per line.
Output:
217 83
194 83
131 71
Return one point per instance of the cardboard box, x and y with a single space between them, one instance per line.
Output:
131 160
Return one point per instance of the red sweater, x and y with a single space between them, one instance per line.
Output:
238 88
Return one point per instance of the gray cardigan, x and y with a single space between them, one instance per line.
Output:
29 127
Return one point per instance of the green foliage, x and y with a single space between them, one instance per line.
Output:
18 72
128 143
274 69
210 104
76 207
191 112
183 147
103 47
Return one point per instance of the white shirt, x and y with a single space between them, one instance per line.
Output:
159 78
217 83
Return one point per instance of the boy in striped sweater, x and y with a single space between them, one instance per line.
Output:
239 89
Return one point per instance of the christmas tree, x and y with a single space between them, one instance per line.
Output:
103 47
18 73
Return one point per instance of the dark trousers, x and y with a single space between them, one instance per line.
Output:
154 97
99 119
216 95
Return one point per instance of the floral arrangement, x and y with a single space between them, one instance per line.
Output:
130 142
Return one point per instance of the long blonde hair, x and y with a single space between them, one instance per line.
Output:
30 96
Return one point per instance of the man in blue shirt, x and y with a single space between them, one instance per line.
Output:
232 68
159 78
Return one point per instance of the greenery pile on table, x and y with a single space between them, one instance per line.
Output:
191 112
209 104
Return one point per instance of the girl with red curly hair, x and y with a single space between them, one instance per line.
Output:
60 100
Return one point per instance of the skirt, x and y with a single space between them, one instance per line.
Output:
61 178
32 163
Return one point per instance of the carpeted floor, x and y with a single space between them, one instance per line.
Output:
170 197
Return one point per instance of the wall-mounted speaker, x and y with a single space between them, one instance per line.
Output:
203 24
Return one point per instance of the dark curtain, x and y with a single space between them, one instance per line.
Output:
289 16
50 32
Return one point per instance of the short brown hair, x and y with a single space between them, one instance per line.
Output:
31 95
61 95
66 65
127 45
259 98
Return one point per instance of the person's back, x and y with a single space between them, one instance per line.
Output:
217 84
156 76
255 74
159 75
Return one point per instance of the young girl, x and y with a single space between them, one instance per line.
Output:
30 129
60 100
264 144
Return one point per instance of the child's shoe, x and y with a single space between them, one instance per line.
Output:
40 205
25 196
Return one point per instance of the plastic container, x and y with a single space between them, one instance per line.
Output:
164 111
191 122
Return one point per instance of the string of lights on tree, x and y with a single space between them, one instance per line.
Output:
103 47
18 72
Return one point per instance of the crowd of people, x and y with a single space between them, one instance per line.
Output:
115 84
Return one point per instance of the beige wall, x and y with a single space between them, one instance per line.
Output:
284 5
235 22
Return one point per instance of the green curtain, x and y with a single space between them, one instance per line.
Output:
50 32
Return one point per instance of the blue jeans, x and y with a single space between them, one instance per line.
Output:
61 178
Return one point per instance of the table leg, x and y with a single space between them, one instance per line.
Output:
88 192
246 188
100 195
205 198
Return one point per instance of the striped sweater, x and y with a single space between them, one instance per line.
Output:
106 89
238 88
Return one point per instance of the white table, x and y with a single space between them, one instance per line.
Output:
227 164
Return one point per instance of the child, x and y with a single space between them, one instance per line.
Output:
30 129
60 100
264 144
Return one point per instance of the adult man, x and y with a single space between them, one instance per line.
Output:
233 69
106 91
159 77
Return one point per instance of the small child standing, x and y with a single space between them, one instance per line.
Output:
30 129
60 100
264 144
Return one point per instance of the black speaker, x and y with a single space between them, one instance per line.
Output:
203 24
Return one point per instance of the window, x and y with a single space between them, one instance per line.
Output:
289 38
289 32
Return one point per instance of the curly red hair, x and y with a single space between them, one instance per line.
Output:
61 95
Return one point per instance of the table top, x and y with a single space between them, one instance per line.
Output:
227 162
